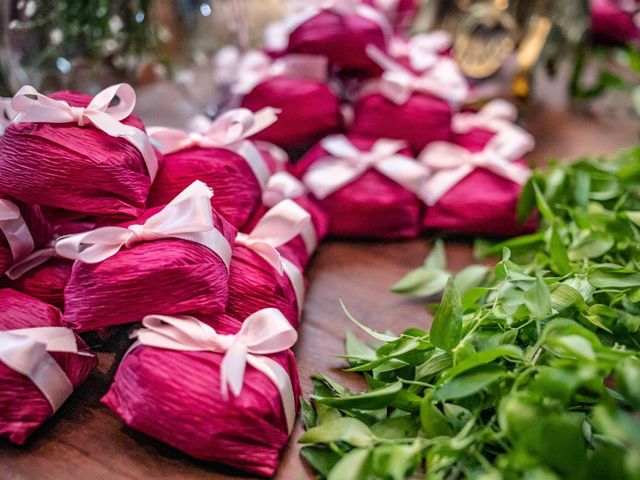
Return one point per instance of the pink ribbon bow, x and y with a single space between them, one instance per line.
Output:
451 163
397 83
277 34
26 351
279 225
345 163
31 261
495 116
32 106
422 50
15 230
187 217
264 332
255 67
230 131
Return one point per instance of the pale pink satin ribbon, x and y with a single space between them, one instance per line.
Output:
32 106
7 113
282 186
345 163
279 225
186 217
264 332
397 83
422 50
495 116
26 351
15 230
31 261
229 131
277 34
255 67
451 163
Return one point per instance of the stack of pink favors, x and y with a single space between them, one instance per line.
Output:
195 243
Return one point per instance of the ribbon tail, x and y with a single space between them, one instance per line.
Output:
232 369
30 262
440 183
297 282
404 171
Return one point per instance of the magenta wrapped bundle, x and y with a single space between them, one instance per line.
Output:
282 186
413 107
78 154
616 20
57 361
173 260
22 228
400 13
297 86
185 384
369 187
264 273
339 31
220 155
475 186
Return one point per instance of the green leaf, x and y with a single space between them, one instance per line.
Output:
446 329
395 462
613 276
538 299
434 423
470 277
308 414
355 465
395 428
422 282
593 246
437 258
628 379
482 358
321 459
470 382
377 335
541 203
582 188
348 430
527 201
358 350
558 253
564 296
371 400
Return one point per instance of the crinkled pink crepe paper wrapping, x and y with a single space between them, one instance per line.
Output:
612 23
482 203
79 169
309 110
400 15
254 284
175 397
340 38
421 120
236 191
373 206
296 248
39 228
23 407
171 276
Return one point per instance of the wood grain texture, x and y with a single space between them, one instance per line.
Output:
85 440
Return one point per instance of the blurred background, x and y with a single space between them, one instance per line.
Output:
587 53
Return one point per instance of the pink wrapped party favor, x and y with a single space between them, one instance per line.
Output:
616 20
413 107
219 154
475 186
282 186
22 228
78 154
339 30
41 362
296 85
422 51
264 273
369 187
173 260
184 383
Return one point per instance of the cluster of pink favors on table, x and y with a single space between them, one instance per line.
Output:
197 240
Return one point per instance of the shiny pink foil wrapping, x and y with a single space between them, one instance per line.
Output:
175 397
372 206
78 169
309 110
23 407
421 120
236 191
340 38
482 203
170 276
39 228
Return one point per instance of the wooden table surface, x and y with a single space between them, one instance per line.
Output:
86 441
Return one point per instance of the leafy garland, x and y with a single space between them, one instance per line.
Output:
531 371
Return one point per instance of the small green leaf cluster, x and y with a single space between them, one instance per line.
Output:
529 371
